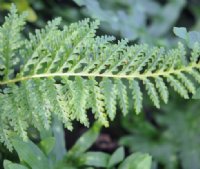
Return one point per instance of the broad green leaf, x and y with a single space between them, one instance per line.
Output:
116 157
96 159
47 145
9 165
30 154
75 156
137 161
85 141
59 150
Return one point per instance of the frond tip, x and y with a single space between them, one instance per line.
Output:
65 72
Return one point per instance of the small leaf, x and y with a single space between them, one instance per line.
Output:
137 161
181 32
47 145
9 165
116 157
96 159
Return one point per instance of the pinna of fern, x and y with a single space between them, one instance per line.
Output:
64 72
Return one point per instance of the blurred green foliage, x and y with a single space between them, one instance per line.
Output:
22 5
149 21
172 137
146 20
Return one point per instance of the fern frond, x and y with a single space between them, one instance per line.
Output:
137 95
151 90
65 72
62 101
10 42
97 101
162 88
80 93
122 96
109 93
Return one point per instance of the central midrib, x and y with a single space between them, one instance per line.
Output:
109 75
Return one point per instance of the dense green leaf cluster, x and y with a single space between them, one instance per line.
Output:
41 156
65 72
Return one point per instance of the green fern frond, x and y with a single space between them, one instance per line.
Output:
162 88
137 95
109 93
151 90
10 42
97 101
65 72
122 96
